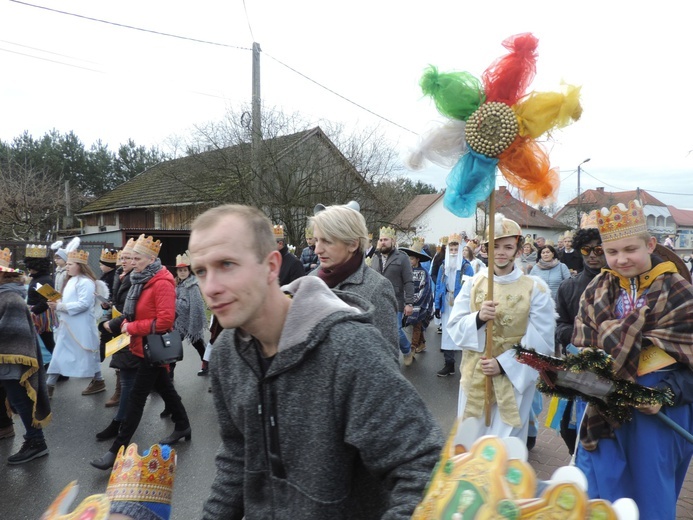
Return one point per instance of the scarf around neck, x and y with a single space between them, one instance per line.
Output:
17 288
138 281
333 277
547 265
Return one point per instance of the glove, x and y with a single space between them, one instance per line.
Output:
436 314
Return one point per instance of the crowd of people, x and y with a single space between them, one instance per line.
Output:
308 354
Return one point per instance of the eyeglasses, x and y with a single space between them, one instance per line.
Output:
586 250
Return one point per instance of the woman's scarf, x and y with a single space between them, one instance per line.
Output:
664 321
17 288
333 277
547 265
191 320
138 281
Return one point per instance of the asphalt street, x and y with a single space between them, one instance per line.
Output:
28 489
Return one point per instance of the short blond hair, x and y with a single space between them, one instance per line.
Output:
258 223
343 224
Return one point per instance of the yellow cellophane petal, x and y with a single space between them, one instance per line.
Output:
542 112
525 165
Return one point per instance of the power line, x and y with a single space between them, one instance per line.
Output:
52 61
247 19
46 52
649 191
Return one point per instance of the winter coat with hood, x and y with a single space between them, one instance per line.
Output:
156 302
331 429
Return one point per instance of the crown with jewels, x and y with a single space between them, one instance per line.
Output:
109 256
147 246
148 478
455 238
417 243
278 231
94 507
5 256
620 221
309 232
78 256
35 251
589 220
183 260
388 232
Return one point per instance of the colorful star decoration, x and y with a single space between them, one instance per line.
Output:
494 123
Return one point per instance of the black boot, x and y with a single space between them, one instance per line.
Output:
111 431
447 370
105 462
177 435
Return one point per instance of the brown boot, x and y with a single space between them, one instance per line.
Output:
115 398
94 387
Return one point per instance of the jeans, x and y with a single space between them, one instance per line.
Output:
23 405
148 378
449 357
5 420
127 381
404 345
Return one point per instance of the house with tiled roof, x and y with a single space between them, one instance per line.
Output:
298 171
426 216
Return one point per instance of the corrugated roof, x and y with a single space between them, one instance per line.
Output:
682 217
201 178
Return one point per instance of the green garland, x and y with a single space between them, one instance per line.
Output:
618 405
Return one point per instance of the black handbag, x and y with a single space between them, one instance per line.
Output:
162 349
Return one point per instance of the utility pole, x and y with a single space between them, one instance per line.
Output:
256 122
579 205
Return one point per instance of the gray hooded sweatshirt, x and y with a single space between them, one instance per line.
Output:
330 430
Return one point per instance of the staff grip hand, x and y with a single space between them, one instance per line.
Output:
488 311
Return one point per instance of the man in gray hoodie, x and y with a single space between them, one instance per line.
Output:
315 422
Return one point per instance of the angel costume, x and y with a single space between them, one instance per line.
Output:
525 315
76 351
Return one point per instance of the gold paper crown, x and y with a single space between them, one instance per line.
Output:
183 260
370 236
589 220
621 221
444 240
94 507
309 232
143 479
388 232
417 243
147 246
455 238
129 246
5 256
278 230
109 256
78 256
35 251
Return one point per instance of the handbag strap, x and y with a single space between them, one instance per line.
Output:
154 326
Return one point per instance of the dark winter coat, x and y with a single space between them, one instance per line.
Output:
291 268
397 269
123 359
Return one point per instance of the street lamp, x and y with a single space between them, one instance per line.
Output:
577 212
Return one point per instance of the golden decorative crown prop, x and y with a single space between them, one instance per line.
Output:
183 260
370 236
444 240
78 256
589 220
5 256
455 238
147 246
129 246
309 232
35 251
388 232
148 478
94 507
620 221
278 231
109 256
417 243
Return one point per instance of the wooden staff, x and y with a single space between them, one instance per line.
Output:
489 297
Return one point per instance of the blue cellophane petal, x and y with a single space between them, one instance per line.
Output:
471 181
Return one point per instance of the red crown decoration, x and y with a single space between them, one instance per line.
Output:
278 230
35 251
78 256
148 478
147 246
620 221
183 260
109 255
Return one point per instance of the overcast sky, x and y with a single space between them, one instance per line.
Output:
113 83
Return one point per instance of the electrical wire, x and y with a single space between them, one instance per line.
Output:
247 19
52 61
622 189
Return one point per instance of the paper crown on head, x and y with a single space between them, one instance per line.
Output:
146 479
278 231
147 246
183 260
35 251
388 232
94 507
589 220
370 236
78 256
620 221
455 238
309 232
504 227
5 256
417 243
444 240
109 256
129 246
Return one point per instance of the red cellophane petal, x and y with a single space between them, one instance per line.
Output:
507 79
525 165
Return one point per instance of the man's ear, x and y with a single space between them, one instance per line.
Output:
274 262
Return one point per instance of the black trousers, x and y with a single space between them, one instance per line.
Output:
149 378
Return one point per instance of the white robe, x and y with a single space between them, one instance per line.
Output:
76 352
539 336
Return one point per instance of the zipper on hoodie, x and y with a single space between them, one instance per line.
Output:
267 411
